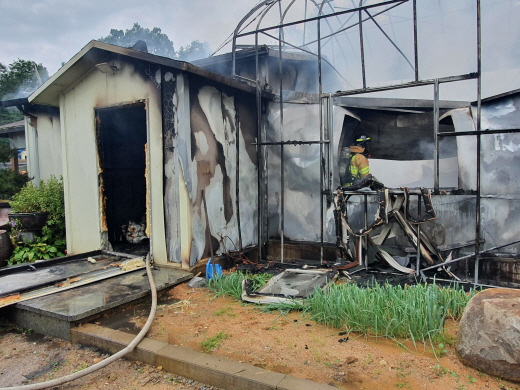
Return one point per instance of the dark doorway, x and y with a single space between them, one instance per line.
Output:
122 138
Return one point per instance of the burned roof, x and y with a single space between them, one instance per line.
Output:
96 52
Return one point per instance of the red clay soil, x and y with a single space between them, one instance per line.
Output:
296 345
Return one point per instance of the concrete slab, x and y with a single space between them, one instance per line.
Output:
202 367
56 314
27 276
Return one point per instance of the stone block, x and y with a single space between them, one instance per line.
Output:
489 333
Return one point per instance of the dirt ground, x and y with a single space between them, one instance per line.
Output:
31 358
289 344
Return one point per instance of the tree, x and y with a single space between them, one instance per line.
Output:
194 51
19 80
5 150
157 42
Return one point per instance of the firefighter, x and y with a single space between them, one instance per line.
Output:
356 155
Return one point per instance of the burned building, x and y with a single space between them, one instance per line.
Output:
241 150
150 140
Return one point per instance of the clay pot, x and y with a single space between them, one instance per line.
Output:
6 247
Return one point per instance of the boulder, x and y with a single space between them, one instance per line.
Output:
489 333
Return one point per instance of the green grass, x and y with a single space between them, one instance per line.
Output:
231 284
413 312
211 343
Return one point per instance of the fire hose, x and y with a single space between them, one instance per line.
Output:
109 360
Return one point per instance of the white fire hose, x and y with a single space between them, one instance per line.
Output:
111 359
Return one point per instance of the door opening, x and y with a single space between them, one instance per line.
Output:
122 138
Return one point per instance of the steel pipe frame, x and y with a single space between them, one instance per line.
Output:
260 162
237 35
417 82
481 132
292 143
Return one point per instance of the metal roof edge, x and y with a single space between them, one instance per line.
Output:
44 96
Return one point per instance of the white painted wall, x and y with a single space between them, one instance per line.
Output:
49 146
80 162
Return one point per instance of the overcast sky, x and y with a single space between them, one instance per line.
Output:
52 31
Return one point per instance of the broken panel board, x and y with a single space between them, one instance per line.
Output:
291 286
30 283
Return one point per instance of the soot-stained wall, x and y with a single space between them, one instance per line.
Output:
209 153
400 161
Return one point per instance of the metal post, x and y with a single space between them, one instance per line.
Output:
304 25
418 266
365 237
320 91
362 50
259 149
416 52
237 171
330 138
282 178
436 135
479 106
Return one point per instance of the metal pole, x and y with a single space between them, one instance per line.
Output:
416 52
330 137
365 237
304 24
436 135
282 178
320 90
237 172
479 106
259 149
418 265
363 75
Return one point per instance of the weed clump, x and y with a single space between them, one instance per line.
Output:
211 343
231 284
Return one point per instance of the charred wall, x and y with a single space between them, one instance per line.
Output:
209 156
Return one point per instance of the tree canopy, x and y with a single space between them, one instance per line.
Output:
18 80
21 78
158 43
194 51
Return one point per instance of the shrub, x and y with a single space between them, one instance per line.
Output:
47 198
11 182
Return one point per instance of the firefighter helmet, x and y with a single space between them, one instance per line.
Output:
362 140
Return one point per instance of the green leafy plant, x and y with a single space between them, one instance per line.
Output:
211 343
48 198
41 249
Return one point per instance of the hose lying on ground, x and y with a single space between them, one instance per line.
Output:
111 359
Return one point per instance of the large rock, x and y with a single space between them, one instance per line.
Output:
489 333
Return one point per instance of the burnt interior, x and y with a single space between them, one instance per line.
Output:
122 137
398 135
